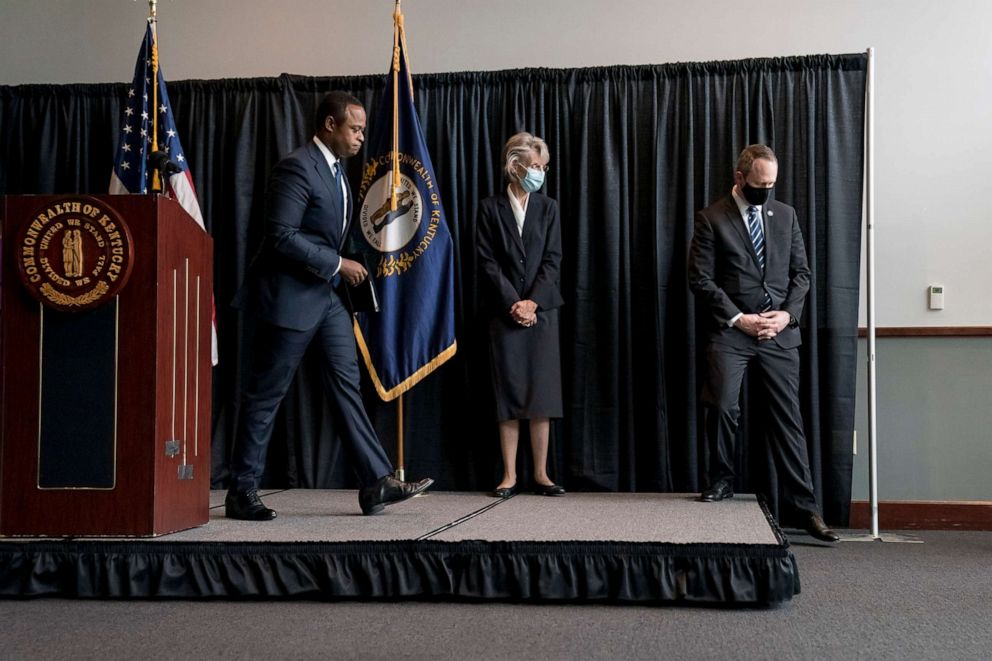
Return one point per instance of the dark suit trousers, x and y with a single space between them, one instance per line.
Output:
779 368
277 355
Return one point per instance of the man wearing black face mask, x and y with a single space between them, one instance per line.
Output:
747 265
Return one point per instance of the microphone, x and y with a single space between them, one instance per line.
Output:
160 161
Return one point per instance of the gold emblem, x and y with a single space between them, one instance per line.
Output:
398 234
385 229
74 254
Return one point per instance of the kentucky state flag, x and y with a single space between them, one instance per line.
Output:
403 231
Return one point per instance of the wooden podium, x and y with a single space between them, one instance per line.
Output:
106 337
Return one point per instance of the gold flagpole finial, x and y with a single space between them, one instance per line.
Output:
153 10
398 15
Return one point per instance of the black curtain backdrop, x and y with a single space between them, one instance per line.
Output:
635 151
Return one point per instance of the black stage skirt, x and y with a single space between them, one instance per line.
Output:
526 367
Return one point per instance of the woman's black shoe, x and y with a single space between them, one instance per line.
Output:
504 492
549 490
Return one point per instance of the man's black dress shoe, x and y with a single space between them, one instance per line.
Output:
720 490
815 526
246 506
549 490
388 490
505 492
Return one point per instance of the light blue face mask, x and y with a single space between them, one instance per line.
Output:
533 180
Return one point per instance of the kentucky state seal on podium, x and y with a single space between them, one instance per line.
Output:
75 254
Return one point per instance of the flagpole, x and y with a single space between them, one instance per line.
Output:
400 459
153 19
397 28
394 192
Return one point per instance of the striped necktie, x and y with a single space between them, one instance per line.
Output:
758 241
339 185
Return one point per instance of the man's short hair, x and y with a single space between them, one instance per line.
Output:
750 154
334 104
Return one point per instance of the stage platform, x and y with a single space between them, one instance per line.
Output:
584 547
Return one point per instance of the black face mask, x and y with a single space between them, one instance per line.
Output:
756 196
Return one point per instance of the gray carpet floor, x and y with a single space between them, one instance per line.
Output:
859 601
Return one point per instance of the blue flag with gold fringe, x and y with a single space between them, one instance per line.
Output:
401 228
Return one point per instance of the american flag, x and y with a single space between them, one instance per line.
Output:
139 132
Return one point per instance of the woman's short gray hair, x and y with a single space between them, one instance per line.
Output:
520 145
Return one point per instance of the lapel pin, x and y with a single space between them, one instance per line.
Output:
771 213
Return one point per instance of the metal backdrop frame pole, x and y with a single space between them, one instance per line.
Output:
873 535
870 267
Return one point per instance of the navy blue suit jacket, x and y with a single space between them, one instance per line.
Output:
293 278
725 275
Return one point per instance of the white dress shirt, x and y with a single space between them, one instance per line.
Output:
334 162
742 206
519 212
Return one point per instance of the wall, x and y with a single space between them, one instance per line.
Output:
933 137
934 419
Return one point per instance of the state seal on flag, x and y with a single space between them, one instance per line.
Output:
385 229
75 254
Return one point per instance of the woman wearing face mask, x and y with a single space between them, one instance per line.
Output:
519 245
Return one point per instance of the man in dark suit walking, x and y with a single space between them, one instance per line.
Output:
293 287
748 266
